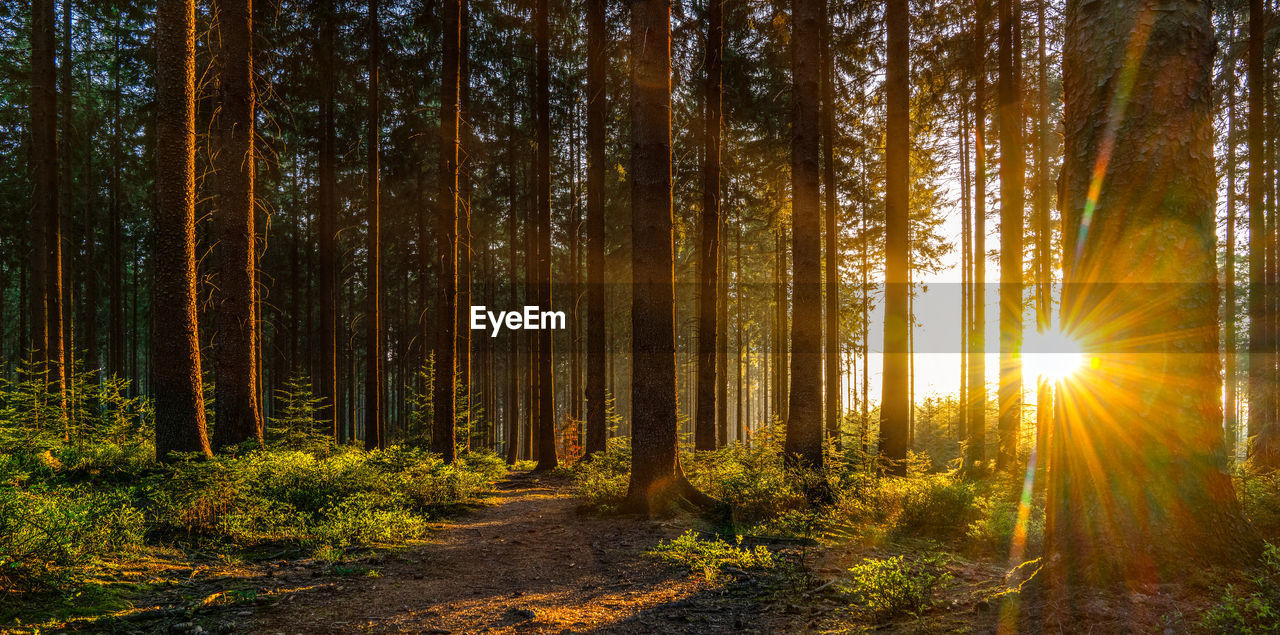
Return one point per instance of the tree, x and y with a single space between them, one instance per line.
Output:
179 402
1265 450
443 385
656 476
1012 164
976 450
327 227
831 347
374 419
709 326
235 320
545 426
597 58
803 445
1148 410
45 293
895 404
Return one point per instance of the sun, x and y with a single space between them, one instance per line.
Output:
1052 356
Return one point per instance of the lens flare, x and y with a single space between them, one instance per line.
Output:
1052 356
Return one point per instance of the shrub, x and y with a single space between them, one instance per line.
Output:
49 538
602 480
886 588
1254 612
712 555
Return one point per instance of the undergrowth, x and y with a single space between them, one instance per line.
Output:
78 492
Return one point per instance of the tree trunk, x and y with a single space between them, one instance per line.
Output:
597 64
235 351
709 329
462 330
179 402
1265 449
545 424
976 451
1148 408
1011 226
831 247
656 477
443 390
1044 258
1231 423
895 404
374 417
804 435
44 207
327 389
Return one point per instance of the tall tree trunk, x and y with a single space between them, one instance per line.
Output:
462 330
235 320
709 329
1044 264
894 403
976 451
597 64
831 349
374 418
1265 449
70 241
545 424
1012 196
45 293
179 402
1231 423
656 477
443 390
803 443
1149 408
327 386
740 426
513 351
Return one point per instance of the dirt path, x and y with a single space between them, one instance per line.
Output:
527 563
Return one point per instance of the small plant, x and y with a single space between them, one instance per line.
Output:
887 588
298 424
713 555
1254 612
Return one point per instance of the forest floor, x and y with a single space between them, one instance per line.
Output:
530 561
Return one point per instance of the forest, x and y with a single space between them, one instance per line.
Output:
649 316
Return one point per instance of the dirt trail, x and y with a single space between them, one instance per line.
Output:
527 563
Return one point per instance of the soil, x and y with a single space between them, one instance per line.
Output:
529 563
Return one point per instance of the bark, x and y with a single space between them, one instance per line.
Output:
709 328
545 425
44 207
374 416
976 450
1149 408
804 436
597 63
895 403
1012 196
656 476
831 348
327 384
1265 449
443 390
462 330
235 320
179 402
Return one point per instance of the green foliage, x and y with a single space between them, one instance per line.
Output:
933 505
298 423
602 481
1257 611
887 588
751 478
48 537
89 488
711 556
